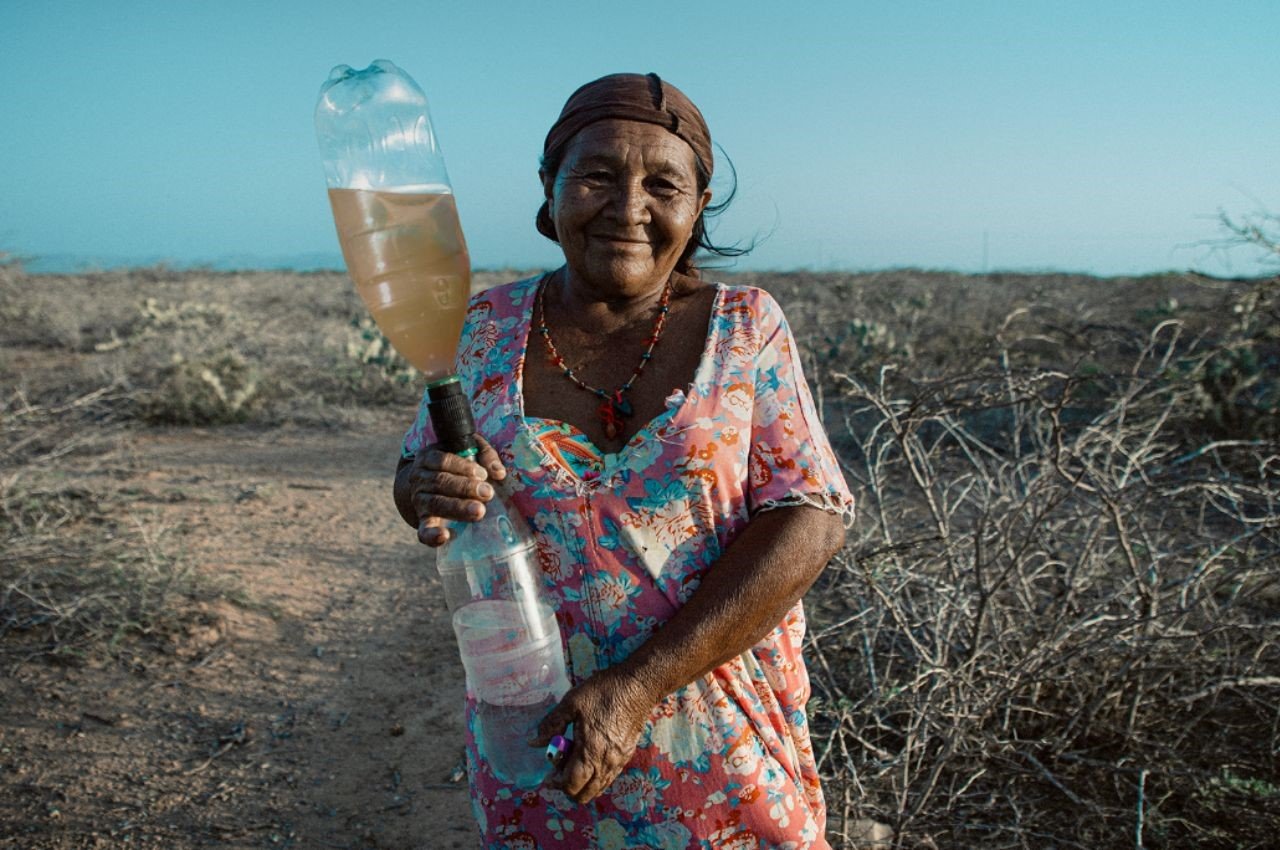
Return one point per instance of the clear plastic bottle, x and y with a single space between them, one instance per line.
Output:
394 210
506 629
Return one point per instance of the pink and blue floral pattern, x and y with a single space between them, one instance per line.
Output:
624 539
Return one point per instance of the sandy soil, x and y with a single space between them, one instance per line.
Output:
322 710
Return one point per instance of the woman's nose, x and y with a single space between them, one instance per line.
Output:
631 202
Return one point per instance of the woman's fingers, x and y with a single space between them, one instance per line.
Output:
595 759
435 460
555 723
578 768
571 772
603 777
575 775
470 508
432 532
488 458
445 486
606 726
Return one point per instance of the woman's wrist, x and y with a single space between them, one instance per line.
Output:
651 673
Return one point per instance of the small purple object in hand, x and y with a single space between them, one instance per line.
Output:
557 749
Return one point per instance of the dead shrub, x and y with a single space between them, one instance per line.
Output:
217 389
30 316
1056 621
81 575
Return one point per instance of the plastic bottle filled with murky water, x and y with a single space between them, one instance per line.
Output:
394 210
505 626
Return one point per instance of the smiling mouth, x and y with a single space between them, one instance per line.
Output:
620 240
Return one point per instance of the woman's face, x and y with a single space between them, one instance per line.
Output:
624 203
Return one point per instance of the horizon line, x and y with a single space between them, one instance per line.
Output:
320 262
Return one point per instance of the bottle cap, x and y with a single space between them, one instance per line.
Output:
451 417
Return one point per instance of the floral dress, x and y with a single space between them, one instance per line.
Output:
623 540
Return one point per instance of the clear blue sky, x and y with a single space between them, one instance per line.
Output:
1093 136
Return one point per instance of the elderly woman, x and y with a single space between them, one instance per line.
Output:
658 434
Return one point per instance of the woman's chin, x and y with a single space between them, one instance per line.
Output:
624 273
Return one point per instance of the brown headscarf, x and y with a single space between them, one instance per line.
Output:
631 97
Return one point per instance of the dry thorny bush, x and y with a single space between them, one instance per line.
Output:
79 577
1056 621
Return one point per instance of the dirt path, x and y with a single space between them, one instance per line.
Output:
322 710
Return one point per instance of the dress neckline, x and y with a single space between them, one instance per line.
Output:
676 400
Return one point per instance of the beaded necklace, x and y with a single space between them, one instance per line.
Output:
614 408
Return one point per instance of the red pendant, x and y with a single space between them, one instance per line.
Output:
611 416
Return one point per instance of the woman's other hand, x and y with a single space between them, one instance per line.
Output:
435 486
608 712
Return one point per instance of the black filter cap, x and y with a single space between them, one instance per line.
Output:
451 417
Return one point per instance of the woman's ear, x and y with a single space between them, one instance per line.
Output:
548 185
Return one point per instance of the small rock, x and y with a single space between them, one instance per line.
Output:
870 834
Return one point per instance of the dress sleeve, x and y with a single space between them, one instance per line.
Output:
790 461
420 433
